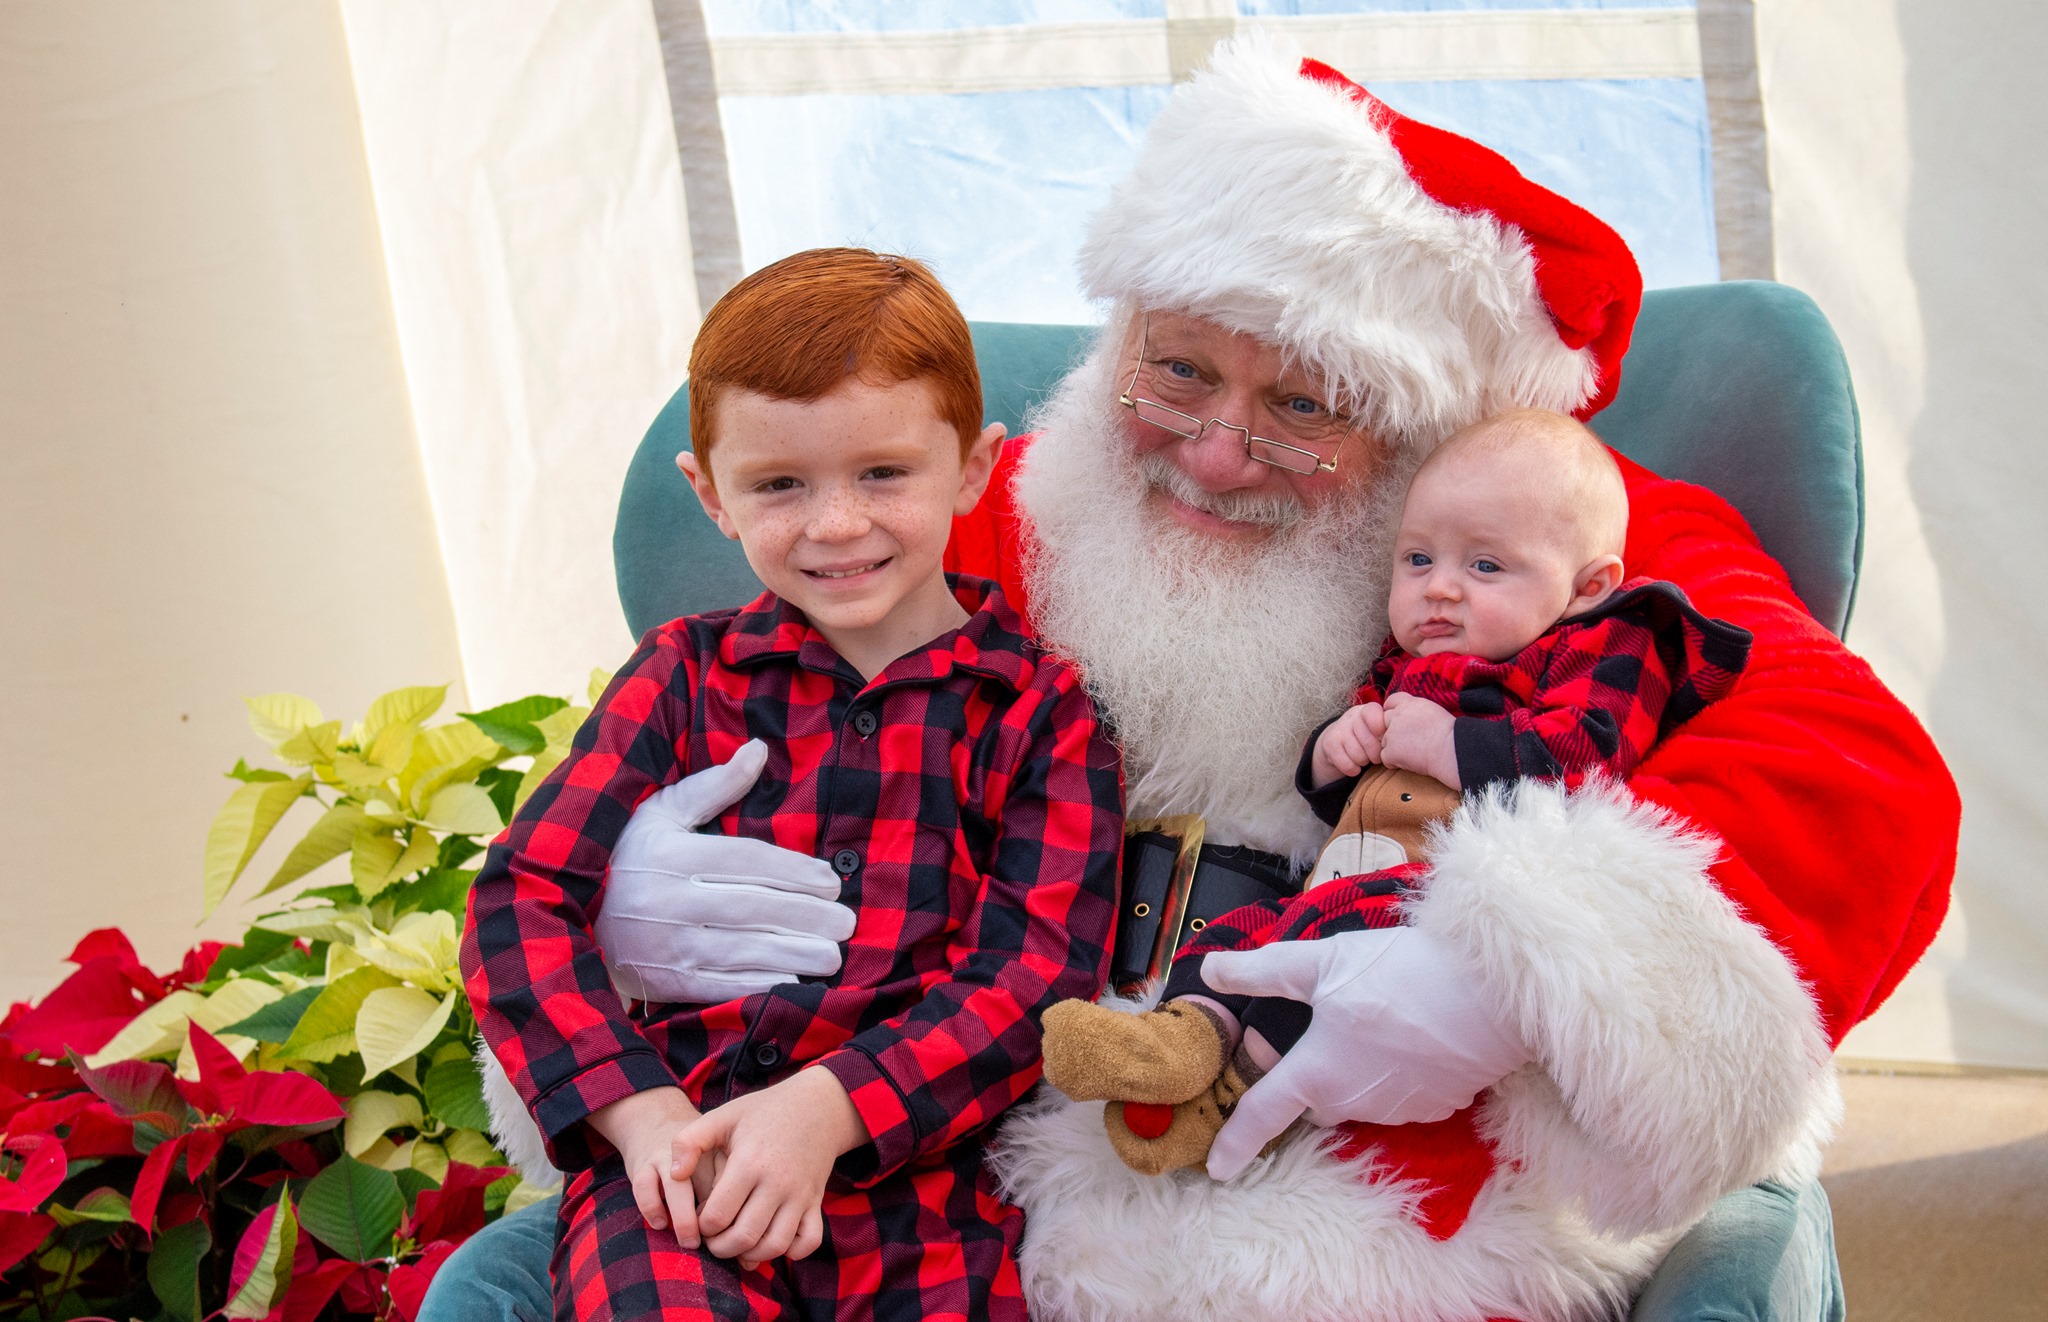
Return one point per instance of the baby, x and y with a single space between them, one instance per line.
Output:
1517 649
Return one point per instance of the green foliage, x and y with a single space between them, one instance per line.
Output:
353 1209
174 1268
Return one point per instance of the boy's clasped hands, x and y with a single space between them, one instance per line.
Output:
746 1180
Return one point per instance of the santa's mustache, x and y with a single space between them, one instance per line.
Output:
1263 509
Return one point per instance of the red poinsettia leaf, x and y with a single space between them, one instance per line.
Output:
149 1185
83 1013
134 1087
40 1174
198 962
30 1077
409 1283
313 1287
201 1147
298 1154
44 1117
455 1211
220 1074
279 1097
98 1132
21 1233
362 1291
178 1208
101 943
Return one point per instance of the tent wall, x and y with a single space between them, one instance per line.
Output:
1909 188
208 481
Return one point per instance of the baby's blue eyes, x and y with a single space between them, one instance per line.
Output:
1418 560
1486 566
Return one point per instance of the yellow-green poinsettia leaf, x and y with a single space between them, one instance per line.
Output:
392 747
313 746
354 773
328 1028
323 922
269 1274
331 837
525 1194
236 1000
396 1024
559 728
546 760
451 752
471 1148
422 947
157 1031
600 680
411 705
276 717
418 856
239 829
373 1113
371 861
430 1159
463 810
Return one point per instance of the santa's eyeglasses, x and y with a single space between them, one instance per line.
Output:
1317 436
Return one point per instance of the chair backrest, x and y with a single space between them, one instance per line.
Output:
1740 387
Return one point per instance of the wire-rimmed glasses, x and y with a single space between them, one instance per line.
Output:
1278 454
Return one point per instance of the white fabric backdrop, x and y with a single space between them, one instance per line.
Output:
531 204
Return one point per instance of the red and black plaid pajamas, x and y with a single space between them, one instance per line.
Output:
1591 696
972 808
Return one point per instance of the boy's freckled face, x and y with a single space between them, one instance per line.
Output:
843 504
1480 568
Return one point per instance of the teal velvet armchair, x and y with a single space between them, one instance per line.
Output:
1740 387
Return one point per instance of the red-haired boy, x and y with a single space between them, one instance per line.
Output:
951 772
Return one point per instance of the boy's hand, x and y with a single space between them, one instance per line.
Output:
779 1145
1419 738
643 1128
1349 744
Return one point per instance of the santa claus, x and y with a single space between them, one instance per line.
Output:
1609 1006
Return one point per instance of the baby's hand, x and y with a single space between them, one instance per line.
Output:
779 1145
1419 737
1348 745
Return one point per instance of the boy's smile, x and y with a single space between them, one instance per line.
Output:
843 505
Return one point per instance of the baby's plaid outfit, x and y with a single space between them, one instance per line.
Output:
973 810
1591 696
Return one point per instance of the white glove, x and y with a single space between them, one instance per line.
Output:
1400 1035
708 918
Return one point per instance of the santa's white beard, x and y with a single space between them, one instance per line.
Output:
1211 659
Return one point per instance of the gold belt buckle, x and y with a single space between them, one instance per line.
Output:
1188 829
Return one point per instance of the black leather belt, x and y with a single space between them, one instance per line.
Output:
1174 885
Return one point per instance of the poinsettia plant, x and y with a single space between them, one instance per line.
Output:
290 1127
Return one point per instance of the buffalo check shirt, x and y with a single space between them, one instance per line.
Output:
1593 694
965 796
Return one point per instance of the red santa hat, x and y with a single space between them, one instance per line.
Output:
1414 270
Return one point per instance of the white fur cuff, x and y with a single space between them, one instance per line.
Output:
1678 1054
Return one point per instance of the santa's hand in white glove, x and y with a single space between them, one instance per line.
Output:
1400 1034
708 918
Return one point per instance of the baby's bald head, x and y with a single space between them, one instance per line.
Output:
1511 525
1563 477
